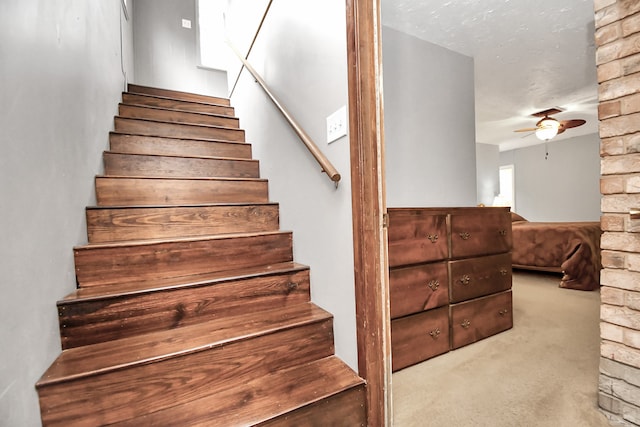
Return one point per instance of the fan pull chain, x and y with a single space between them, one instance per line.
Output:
546 150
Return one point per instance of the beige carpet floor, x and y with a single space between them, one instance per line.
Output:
543 372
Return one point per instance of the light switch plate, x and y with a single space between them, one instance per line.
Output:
337 125
186 23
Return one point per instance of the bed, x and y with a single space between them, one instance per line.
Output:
570 248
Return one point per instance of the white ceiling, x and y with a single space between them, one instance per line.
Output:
529 56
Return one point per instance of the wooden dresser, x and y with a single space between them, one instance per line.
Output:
449 279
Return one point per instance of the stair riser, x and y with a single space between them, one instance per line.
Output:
120 317
117 164
151 113
151 101
184 96
97 266
140 144
322 393
177 130
344 409
141 191
115 225
127 393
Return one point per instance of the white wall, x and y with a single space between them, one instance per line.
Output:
429 122
60 83
564 187
241 24
167 54
301 54
487 172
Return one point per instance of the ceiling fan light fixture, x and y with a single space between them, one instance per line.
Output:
547 128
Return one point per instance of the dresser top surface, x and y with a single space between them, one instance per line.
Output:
446 210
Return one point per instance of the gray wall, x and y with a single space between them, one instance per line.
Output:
429 123
60 83
167 54
301 54
564 187
487 172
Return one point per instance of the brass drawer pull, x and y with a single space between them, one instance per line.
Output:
503 312
465 323
465 280
504 271
435 333
434 284
503 232
432 237
465 236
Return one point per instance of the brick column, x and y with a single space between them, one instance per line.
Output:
618 60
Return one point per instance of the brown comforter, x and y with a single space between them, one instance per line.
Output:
572 248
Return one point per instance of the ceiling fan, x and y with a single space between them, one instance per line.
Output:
548 127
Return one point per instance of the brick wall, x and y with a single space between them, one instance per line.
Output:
618 60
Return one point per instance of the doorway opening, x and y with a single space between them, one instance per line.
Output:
507 195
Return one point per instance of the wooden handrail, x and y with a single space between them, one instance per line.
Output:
326 165
253 41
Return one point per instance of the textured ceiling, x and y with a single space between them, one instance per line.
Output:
529 56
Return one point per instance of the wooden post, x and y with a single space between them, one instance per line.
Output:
364 54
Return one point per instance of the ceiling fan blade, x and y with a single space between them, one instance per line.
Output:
567 124
546 113
525 130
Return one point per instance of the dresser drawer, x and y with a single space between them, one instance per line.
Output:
477 319
416 236
417 288
483 231
419 337
475 277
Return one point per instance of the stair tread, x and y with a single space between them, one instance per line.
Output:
182 156
177 116
175 129
168 98
146 286
187 178
179 138
178 123
150 242
264 398
94 359
183 205
153 107
133 88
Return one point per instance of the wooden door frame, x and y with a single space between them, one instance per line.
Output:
366 133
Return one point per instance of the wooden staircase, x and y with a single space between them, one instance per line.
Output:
190 309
